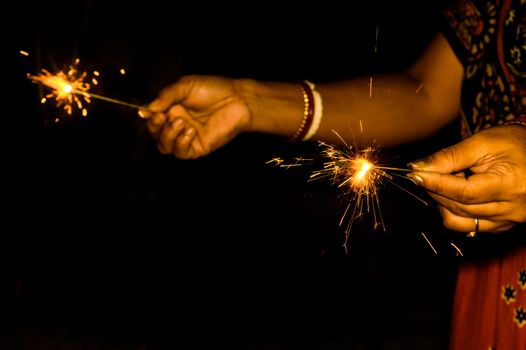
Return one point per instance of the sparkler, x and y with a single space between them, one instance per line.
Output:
71 89
360 175
358 172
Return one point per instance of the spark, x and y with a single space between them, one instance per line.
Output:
70 89
355 171
457 249
122 71
428 242
297 161
376 41
359 174
276 160
24 53
290 165
419 88
371 87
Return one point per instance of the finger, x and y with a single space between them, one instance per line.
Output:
169 134
475 189
453 159
183 145
468 224
493 210
459 223
170 95
178 111
145 113
155 124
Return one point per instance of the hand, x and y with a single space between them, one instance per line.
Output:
197 115
495 192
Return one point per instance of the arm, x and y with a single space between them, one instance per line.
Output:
197 115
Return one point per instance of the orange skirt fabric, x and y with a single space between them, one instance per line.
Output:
489 311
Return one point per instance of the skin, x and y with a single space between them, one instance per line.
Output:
199 114
495 193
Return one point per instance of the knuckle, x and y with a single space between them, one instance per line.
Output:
447 218
448 154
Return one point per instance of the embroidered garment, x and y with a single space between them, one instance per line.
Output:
489 37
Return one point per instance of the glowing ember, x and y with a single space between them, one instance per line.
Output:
72 89
358 173
68 88
361 169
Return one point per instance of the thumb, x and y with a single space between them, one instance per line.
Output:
453 159
170 95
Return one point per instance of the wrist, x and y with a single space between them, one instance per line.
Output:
244 89
274 107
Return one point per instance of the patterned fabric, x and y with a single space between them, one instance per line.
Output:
490 304
489 37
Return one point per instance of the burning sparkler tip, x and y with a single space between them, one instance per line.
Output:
70 89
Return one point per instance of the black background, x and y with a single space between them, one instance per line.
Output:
111 245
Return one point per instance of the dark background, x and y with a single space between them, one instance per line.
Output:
111 245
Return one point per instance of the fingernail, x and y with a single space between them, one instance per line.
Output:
177 124
416 179
144 113
419 163
189 132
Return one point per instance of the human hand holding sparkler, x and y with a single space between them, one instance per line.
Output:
194 117
199 114
494 193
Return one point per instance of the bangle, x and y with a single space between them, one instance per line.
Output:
318 112
308 112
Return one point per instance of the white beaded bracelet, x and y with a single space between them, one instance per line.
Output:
318 112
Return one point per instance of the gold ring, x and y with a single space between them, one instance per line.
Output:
474 233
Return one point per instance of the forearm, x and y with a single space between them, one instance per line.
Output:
395 109
390 109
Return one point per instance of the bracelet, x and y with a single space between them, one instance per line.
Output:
318 112
312 113
308 111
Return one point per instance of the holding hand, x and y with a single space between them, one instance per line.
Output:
197 115
494 192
